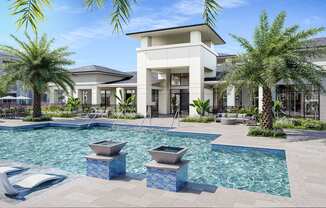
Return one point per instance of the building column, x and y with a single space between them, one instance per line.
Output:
196 83
195 37
230 96
144 90
164 95
96 96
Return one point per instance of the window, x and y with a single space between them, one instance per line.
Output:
85 96
180 79
105 98
130 93
59 97
299 103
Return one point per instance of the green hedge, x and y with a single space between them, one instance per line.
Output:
38 119
198 119
258 131
63 114
299 123
128 116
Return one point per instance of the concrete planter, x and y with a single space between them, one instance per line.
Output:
167 155
107 147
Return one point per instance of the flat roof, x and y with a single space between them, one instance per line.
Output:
207 31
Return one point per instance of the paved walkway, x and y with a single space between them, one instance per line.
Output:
305 160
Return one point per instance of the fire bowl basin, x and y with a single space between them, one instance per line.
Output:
167 154
107 147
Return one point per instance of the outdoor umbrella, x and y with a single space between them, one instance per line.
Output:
10 98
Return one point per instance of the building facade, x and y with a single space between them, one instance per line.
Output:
176 66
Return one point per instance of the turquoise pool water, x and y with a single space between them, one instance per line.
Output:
65 148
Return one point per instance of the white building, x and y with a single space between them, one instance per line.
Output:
174 67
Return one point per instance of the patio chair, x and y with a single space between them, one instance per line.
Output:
9 170
29 184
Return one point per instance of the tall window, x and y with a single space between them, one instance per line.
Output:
86 97
59 97
105 98
180 79
299 103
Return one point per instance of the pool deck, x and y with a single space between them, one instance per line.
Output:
305 153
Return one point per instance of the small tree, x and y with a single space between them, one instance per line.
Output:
201 106
73 103
126 104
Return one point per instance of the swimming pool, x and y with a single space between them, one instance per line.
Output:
65 148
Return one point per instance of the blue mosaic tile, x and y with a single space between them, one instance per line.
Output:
169 180
107 169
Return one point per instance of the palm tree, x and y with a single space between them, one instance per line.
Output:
201 106
276 53
29 12
126 104
36 65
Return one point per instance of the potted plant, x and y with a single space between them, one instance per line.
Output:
167 154
107 147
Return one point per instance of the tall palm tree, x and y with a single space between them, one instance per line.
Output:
36 65
29 12
276 53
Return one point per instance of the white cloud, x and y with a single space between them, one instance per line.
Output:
84 35
313 20
188 7
232 3
65 8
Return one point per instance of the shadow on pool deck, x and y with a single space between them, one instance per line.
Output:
304 135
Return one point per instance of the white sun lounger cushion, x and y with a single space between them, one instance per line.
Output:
8 169
35 180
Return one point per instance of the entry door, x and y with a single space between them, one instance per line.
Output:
179 101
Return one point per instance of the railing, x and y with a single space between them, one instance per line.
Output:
176 116
149 112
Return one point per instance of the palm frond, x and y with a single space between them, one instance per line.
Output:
29 12
211 8
95 3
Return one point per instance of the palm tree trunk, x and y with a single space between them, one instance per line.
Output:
37 110
267 114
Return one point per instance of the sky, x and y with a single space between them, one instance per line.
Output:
89 35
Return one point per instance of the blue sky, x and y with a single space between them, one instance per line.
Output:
88 33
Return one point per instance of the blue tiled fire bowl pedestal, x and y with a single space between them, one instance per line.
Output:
167 176
105 167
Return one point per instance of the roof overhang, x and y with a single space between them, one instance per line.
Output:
208 33
98 72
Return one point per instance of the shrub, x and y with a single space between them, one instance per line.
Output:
198 119
258 131
37 119
63 114
129 116
53 108
299 123
313 124
284 123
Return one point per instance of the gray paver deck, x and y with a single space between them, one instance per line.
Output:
305 160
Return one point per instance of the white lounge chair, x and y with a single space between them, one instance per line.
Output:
11 170
28 185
